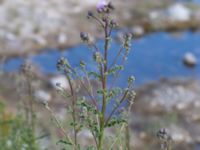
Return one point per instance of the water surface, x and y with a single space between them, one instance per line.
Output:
152 57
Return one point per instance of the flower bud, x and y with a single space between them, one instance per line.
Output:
82 64
131 79
61 63
163 134
84 36
110 5
90 14
128 36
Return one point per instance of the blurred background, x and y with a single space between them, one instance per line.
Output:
164 60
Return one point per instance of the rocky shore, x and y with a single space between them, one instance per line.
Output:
32 26
171 104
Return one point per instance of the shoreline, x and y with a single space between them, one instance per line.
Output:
38 49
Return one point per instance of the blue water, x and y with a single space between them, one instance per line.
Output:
196 1
192 1
152 57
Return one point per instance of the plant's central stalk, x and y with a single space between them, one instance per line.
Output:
104 85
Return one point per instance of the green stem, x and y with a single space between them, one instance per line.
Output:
58 124
31 113
116 107
104 86
73 111
127 135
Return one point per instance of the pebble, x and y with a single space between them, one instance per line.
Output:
189 60
62 38
40 40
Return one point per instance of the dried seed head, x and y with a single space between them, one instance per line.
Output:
131 79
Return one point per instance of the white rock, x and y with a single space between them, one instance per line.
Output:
178 12
181 106
138 31
154 15
59 82
190 59
62 38
40 40
42 96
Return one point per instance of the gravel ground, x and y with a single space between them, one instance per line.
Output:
171 104
30 26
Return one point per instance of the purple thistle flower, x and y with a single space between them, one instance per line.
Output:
101 6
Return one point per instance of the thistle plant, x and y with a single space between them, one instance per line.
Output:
90 110
17 131
165 139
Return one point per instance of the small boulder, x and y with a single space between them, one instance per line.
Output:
40 40
138 31
190 60
178 12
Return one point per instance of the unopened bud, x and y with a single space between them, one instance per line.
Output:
84 36
110 5
90 14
